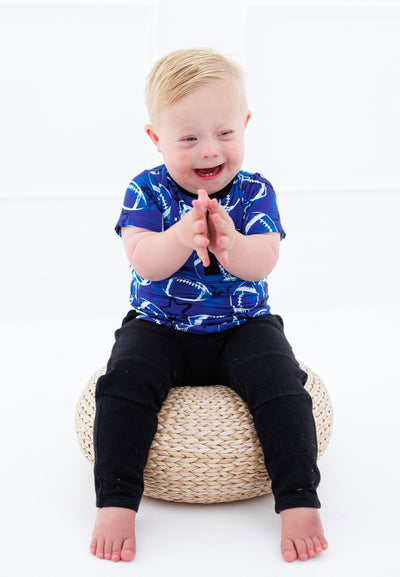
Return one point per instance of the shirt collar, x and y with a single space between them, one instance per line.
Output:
219 194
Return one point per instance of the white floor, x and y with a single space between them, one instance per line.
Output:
47 507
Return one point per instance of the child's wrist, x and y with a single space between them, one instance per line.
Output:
180 233
183 233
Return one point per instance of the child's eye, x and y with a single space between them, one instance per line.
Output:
189 139
226 133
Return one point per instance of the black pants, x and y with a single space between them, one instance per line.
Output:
254 359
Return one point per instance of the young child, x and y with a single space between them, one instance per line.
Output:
201 236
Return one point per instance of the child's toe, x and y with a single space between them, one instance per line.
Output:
107 549
100 548
128 550
289 553
93 546
317 545
116 550
310 548
302 549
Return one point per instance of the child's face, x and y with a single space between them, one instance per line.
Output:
201 137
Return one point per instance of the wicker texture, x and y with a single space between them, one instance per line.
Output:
206 449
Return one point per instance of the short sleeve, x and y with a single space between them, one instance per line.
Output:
261 213
140 207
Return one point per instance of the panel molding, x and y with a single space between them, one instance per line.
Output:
108 193
81 297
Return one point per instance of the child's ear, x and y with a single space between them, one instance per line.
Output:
248 116
153 136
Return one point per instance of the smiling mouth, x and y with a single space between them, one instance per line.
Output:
209 172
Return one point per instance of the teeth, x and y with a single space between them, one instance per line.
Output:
208 171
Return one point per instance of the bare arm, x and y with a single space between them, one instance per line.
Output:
158 255
249 257
253 257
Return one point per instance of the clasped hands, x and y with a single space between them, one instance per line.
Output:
208 227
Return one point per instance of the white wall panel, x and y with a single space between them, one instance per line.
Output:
194 23
72 77
323 86
324 89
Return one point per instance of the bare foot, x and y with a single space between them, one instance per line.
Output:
114 534
302 534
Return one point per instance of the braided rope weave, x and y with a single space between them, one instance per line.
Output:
206 449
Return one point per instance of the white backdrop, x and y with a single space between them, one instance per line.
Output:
323 86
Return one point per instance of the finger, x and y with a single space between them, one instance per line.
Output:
223 257
205 200
213 205
200 240
200 226
202 195
202 253
218 224
198 209
199 219
223 241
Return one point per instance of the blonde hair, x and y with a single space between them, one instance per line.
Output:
183 71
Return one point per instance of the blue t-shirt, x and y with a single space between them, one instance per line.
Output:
197 299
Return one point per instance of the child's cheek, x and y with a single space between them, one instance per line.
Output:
184 158
237 156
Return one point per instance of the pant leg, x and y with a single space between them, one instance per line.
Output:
261 367
144 363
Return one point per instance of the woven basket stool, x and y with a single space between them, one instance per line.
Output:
206 449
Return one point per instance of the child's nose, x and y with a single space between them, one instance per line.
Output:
210 150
